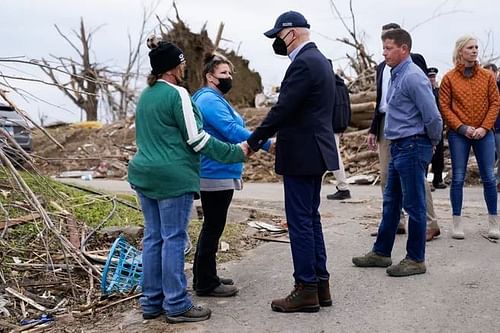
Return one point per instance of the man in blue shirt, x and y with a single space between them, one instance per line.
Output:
413 125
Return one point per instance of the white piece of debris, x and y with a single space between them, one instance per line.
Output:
3 304
253 224
270 227
224 247
361 179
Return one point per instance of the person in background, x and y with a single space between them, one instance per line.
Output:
376 138
305 149
218 180
469 102
438 157
413 126
343 191
494 69
165 174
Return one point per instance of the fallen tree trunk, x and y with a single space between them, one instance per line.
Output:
362 156
363 107
363 97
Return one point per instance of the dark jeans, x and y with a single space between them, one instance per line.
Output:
405 187
302 199
438 163
215 206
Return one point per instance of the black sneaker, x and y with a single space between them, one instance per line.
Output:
226 281
222 290
439 185
339 195
196 313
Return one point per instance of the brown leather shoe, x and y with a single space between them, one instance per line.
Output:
324 297
303 298
430 234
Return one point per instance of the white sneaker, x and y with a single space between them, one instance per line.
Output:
458 231
494 230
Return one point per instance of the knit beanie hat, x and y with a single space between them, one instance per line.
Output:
164 57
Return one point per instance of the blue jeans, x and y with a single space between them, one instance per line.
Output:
165 235
497 143
484 150
302 199
405 188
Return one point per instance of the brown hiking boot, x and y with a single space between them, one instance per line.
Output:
407 267
371 259
303 298
324 297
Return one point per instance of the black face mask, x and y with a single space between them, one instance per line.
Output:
225 84
279 45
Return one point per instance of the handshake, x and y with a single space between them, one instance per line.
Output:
249 152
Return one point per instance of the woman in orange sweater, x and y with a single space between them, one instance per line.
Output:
469 105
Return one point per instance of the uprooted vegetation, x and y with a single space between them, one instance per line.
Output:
54 250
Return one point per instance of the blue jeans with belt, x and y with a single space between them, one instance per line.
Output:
484 150
302 199
405 188
164 285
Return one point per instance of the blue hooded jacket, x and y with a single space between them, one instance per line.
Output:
224 123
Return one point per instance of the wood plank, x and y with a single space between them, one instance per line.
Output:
19 220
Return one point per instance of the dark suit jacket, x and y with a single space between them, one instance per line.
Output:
378 117
302 117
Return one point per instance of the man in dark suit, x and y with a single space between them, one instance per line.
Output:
438 157
376 137
305 149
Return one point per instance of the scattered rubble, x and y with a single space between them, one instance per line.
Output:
105 152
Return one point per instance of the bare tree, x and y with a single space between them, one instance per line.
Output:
488 54
120 88
83 86
361 62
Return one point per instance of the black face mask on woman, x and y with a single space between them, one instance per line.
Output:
279 45
225 84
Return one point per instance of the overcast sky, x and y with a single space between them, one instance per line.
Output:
27 29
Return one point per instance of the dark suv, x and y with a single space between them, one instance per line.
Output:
16 126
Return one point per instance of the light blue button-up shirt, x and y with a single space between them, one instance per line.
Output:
411 106
294 53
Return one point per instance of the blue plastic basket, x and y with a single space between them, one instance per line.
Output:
123 269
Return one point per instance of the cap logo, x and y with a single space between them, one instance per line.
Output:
181 57
286 24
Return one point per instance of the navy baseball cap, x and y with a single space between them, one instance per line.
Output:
287 20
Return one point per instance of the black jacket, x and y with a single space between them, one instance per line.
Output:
302 117
378 117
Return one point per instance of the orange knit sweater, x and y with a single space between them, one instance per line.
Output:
470 101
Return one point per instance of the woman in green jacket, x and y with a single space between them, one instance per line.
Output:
165 174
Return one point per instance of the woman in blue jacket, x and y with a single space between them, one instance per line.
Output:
218 180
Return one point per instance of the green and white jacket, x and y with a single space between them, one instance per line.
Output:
170 137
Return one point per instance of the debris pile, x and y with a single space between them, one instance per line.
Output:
246 82
52 255
362 107
105 152
101 152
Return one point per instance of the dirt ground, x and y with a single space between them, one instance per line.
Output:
127 317
458 293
